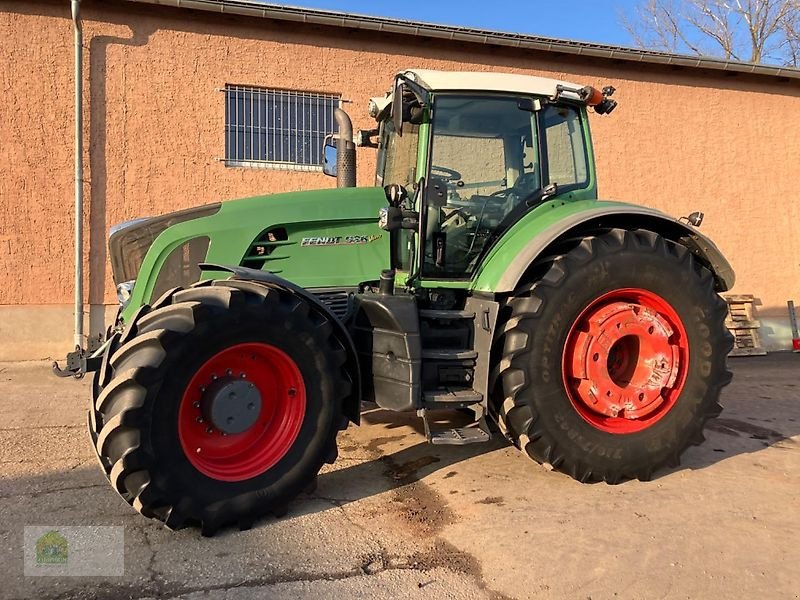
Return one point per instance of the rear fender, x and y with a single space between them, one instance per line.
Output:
352 409
621 216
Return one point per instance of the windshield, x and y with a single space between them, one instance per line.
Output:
490 157
397 155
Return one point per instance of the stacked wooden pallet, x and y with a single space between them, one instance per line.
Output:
744 325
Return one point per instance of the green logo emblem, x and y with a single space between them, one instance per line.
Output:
51 549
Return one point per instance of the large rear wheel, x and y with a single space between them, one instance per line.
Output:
220 405
613 358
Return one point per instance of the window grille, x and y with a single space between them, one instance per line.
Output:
278 128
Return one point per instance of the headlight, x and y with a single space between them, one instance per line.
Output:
124 291
377 106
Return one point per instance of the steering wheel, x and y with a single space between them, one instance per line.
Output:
444 173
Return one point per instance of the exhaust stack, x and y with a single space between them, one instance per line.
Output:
345 151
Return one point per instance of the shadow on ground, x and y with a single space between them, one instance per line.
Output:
762 409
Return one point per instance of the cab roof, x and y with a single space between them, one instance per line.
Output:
476 81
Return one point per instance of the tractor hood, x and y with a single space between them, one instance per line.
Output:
317 239
313 205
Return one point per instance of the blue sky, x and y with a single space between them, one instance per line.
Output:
586 20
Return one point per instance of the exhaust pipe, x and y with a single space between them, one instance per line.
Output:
345 151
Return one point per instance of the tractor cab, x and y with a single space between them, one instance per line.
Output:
471 153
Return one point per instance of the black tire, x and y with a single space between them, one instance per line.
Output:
102 376
535 410
135 415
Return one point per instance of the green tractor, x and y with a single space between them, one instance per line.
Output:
481 273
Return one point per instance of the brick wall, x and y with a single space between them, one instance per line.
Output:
681 140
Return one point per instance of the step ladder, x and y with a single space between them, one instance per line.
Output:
449 395
474 433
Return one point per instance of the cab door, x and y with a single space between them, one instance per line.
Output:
493 158
484 160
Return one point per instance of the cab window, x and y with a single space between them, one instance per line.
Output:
566 152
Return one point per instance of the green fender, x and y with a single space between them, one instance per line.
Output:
352 408
533 235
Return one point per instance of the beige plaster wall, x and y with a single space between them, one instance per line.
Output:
680 140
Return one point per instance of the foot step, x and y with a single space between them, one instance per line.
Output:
476 433
459 436
428 313
451 398
449 354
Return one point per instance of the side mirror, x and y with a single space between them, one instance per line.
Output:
329 157
397 107
407 107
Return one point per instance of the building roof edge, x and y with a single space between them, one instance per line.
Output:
476 36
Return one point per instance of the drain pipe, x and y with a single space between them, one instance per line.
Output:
76 18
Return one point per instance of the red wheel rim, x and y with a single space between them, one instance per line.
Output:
240 456
625 360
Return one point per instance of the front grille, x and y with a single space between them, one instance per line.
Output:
338 300
128 243
181 266
127 250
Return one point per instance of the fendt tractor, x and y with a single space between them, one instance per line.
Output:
481 273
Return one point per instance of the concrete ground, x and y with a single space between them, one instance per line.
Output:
397 518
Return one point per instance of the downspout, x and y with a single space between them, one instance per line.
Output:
76 18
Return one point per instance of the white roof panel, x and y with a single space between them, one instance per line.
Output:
463 81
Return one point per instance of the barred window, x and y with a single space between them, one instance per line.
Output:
266 127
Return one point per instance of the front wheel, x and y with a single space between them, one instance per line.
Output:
220 405
614 358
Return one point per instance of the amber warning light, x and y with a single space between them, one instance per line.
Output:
600 100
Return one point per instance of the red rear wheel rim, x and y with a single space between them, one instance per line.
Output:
240 456
625 360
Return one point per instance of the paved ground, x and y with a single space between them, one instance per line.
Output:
397 518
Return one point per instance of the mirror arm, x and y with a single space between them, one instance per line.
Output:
364 138
420 92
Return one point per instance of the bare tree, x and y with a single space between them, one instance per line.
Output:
792 29
743 30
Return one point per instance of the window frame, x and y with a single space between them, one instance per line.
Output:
545 155
229 158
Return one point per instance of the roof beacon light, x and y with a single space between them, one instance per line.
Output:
600 100
592 96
